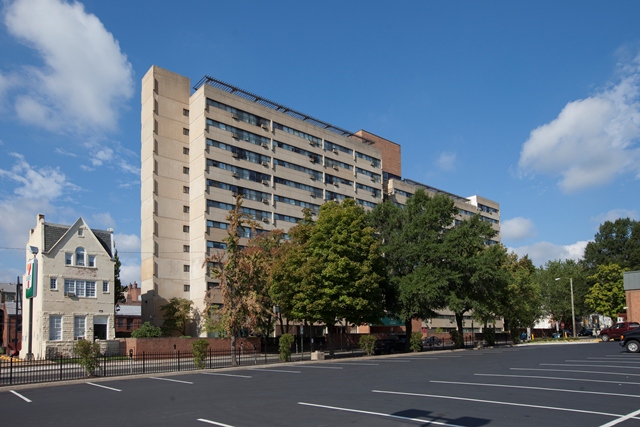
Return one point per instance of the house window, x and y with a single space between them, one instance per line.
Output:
185 190
185 209
55 328
185 150
187 288
186 268
53 284
78 327
68 258
185 112
185 228
185 131
80 257
90 289
80 232
91 261
105 287
185 170
186 248
80 288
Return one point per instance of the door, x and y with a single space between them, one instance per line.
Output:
100 327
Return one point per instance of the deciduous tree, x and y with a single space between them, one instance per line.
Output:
606 295
178 314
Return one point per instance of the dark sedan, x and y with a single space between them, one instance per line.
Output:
430 342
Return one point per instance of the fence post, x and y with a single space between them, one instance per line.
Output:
104 365
178 360
60 360
143 364
11 371
210 357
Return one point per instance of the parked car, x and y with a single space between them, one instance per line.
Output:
614 332
430 342
584 332
631 341
390 345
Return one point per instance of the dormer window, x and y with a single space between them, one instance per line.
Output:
68 258
91 261
80 257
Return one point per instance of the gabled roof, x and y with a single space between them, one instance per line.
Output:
53 233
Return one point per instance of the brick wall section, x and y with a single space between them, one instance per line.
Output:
165 345
633 305
391 153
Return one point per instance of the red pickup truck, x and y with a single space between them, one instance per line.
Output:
614 332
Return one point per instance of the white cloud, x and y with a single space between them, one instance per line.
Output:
541 252
614 214
65 153
592 140
85 76
18 217
446 161
127 243
45 183
102 220
130 274
518 228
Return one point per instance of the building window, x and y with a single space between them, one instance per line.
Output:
80 288
68 258
185 131
78 327
185 190
186 268
105 287
185 112
55 328
187 288
185 170
186 248
91 261
185 209
185 228
53 284
185 150
81 232
80 257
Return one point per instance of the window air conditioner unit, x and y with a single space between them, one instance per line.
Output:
312 194
312 143
235 154
265 182
265 201
312 159
265 164
373 179
335 151
265 145
234 193
312 177
336 184
335 168
235 136
373 164
69 294
235 117
265 219
264 126
235 174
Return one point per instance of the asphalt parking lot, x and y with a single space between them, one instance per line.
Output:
586 384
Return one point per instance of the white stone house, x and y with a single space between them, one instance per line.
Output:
74 291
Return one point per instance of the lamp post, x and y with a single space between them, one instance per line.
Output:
573 311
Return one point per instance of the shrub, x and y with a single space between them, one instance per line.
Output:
416 342
147 331
368 343
457 338
284 346
88 353
199 350
489 335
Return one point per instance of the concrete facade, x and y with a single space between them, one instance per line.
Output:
203 146
74 293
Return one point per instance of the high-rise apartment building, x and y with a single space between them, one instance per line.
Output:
204 145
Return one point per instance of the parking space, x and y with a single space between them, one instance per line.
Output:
593 384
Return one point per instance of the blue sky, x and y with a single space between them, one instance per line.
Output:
532 104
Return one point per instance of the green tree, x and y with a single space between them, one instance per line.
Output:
477 280
118 292
615 242
243 274
367 343
412 243
340 272
88 353
607 295
146 330
556 294
523 303
178 314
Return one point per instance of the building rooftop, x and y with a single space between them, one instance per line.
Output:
54 232
129 310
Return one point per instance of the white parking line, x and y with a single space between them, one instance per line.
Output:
213 422
576 371
524 405
103 386
562 390
226 375
395 361
356 363
276 370
609 359
621 419
380 414
319 367
20 396
557 378
586 366
169 379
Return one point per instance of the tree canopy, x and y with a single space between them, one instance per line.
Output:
607 295
616 242
178 314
